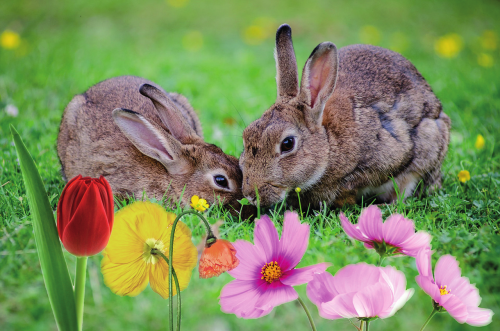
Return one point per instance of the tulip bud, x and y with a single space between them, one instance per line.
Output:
85 215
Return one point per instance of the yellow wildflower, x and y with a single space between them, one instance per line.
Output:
479 142
10 39
485 60
260 29
449 46
464 176
370 35
297 189
199 204
193 41
489 40
129 264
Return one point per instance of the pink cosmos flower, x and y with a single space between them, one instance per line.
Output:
395 235
359 290
266 273
451 291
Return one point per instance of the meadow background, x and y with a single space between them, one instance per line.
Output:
220 55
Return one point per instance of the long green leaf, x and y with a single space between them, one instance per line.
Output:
54 269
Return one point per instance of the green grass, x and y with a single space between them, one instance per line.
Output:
69 46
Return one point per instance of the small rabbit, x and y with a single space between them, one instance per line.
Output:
155 147
360 117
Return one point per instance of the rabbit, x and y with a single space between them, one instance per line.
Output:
360 117
144 140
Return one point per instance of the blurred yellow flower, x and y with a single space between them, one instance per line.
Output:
485 60
260 29
10 39
192 41
370 35
449 46
489 40
297 189
479 142
464 176
177 3
199 204
129 263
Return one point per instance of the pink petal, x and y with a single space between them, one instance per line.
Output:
397 229
350 229
341 305
398 304
478 316
266 238
368 245
251 261
465 291
355 276
372 300
423 260
396 281
370 223
303 275
446 270
274 295
412 245
239 297
428 286
454 306
320 290
293 243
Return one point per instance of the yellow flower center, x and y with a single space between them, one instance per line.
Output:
271 272
443 290
148 246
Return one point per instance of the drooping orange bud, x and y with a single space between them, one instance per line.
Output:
217 258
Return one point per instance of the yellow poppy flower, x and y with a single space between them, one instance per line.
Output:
128 264
479 142
464 176
10 39
199 204
449 46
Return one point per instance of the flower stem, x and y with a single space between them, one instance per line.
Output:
434 311
367 324
313 327
361 325
380 261
155 251
81 273
300 205
170 265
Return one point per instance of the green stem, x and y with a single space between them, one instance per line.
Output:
170 265
367 324
361 325
380 261
300 205
155 251
313 327
81 273
434 311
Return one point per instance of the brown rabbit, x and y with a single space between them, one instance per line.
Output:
360 117
155 147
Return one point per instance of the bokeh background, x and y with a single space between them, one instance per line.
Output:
220 55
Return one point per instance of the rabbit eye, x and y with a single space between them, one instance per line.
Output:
287 144
221 181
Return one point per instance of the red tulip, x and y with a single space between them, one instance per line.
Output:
85 215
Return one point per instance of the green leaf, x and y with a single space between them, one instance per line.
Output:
244 202
54 269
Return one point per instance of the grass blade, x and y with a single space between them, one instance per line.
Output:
54 269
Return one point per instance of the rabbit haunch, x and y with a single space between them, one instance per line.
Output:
143 139
359 117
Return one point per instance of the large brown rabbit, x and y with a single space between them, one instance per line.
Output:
360 117
142 139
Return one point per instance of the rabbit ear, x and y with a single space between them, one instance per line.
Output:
287 77
169 114
151 140
319 77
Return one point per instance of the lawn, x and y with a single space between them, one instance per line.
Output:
220 55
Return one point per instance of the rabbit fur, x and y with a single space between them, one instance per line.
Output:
144 140
360 117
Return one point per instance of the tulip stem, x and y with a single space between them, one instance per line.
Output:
313 327
434 311
81 273
210 240
155 251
